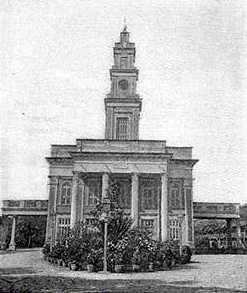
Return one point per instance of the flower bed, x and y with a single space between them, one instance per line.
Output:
127 249
135 251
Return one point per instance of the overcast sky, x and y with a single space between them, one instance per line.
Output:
191 55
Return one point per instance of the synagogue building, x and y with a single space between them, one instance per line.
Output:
155 181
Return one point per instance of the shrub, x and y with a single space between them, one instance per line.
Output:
46 249
186 254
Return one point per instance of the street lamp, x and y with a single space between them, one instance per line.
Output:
180 221
104 217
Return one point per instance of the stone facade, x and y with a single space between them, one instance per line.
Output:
154 180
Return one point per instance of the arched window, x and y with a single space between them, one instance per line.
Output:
66 193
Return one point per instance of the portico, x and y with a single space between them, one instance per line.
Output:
130 181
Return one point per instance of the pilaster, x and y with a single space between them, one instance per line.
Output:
134 199
164 207
188 206
81 199
74 201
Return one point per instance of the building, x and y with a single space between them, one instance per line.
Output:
155 180
243 222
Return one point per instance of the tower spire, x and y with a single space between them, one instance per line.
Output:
122 104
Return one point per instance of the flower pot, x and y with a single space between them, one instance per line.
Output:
151 267
135 267
59 262
73 267
90 268
173 262
118 268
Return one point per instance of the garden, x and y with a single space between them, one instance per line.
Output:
128 249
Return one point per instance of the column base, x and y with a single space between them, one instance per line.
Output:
12 247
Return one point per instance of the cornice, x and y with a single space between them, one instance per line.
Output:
59 160
124 70
119 155
187 162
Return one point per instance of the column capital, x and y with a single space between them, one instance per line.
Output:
105 173
135 174
164 176
53 180
75 176
75 173
164 173
188 182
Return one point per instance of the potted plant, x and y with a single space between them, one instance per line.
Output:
90 261
73 265
136 260
118 262
151 266
60 262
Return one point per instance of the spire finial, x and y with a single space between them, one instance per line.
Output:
125 25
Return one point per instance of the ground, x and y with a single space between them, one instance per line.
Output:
206 273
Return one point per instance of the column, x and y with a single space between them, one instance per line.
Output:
12 240
134 199
164 207
75 182
3 232
238 228
188 209
229 233
81 196
51 217
105 184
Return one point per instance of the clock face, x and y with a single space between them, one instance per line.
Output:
123 84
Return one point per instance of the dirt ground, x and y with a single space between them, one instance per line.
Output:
26 269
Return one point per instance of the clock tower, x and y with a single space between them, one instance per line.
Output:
122 104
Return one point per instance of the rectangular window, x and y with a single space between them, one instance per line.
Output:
122 128
63 227
123 62
148 225
91 221
149 191
92 191
175 229
175 199
149 198
123 192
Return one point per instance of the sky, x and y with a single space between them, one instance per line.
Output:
55 59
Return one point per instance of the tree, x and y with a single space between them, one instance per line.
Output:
30 231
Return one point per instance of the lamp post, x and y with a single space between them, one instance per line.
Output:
104 217
12 245
180 219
